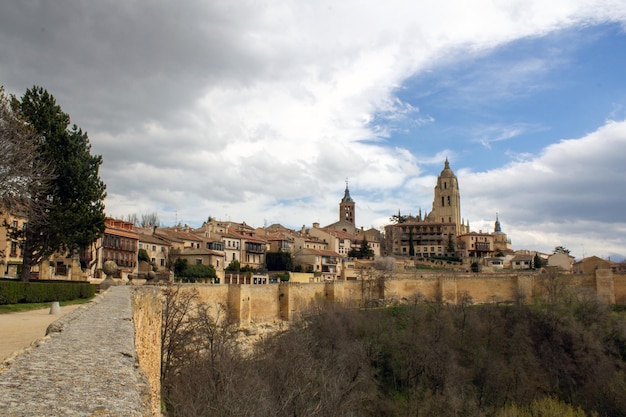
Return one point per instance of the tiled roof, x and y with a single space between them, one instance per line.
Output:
146 238
201 251
322 252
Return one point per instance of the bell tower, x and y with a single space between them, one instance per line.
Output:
346 207
447 202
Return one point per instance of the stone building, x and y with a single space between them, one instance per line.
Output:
446 206
434 234
10 249
589 265
119 244
443 232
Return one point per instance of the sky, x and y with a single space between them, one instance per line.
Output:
260 111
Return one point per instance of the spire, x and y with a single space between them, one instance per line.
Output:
346 195
497 228
447 164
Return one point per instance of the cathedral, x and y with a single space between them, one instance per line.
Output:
442 233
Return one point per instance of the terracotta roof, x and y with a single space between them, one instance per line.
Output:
201 251
322 252
146 238
177 235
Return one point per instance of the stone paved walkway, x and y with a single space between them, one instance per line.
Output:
86 367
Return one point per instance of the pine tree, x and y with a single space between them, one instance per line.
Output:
365 251
74 216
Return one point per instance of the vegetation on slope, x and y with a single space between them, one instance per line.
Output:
425 359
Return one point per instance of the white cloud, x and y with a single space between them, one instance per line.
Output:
571 192
259 111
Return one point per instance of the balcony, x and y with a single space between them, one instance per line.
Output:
260 249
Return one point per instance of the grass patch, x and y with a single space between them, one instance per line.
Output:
14 308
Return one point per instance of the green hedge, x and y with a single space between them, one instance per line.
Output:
14 292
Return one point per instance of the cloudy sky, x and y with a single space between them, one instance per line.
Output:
258 111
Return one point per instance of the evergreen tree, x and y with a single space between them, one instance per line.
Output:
279 261
451 249
74 216
561 249
365 252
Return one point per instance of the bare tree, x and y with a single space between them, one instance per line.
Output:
21 171
178 329
385 263
150 219
555 287
23 174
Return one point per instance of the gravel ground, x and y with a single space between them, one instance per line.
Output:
19 330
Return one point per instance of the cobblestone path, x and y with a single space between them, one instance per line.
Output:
86 367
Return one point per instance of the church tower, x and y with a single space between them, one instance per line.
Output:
447 202
346 207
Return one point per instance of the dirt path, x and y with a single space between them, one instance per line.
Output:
19 330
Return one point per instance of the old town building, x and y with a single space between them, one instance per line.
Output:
443 233
119 243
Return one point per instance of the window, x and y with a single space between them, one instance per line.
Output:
14 224
198 261
162 262
153 248
442 201
448 200
153 260
13 248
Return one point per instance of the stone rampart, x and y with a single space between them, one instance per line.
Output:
288 301
147 304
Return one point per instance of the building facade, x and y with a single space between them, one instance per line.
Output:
10 248
119 243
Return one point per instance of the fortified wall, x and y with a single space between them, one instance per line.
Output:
288 301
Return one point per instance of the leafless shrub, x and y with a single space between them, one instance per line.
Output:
385 263
21 171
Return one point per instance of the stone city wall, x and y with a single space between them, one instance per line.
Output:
147 305
286 301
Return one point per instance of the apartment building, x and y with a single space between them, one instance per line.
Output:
10 248
157 248
119 243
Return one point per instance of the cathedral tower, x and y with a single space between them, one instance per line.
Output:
346 207
447 202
